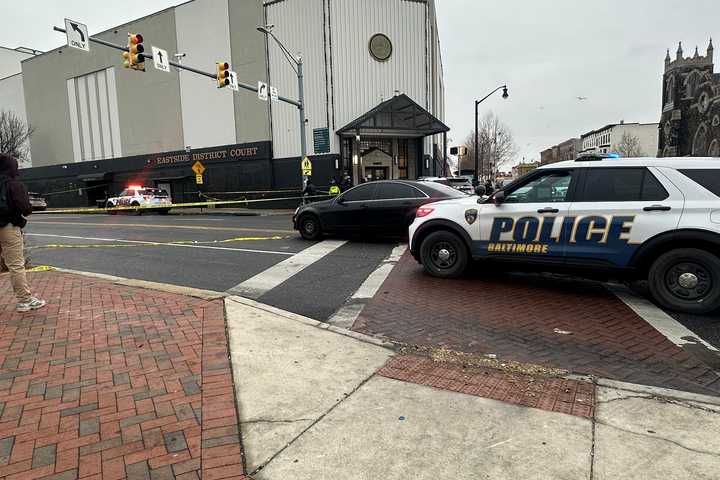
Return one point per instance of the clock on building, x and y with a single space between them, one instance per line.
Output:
380 47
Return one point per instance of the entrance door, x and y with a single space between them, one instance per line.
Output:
376 173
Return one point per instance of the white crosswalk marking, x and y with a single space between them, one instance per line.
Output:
346 316
265 281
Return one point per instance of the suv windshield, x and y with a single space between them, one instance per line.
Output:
156 192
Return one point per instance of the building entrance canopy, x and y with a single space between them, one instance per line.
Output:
397 117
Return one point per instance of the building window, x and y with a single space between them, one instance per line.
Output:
94 118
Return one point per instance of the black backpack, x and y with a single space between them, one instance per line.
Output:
5 207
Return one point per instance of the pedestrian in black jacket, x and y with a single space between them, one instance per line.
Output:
14 207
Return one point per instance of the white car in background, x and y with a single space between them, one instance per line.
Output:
151 199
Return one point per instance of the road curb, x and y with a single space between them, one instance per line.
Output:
313 323
162 287
658 391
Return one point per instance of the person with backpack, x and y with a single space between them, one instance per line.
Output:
14 207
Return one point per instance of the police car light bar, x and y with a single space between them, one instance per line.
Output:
595 157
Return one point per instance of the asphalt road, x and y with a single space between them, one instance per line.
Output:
212 253
222 253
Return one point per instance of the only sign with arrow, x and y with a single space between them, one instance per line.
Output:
77 35
161 60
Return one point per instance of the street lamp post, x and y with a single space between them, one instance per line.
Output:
296 62
478 102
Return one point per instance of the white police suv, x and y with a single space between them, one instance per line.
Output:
655 219
139 196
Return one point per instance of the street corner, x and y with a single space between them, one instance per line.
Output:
526 385
290 371
115 381
559 322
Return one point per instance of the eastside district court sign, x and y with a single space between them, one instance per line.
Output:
257 151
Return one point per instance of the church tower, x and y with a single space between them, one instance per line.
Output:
690 118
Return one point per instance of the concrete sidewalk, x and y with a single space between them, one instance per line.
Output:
317 404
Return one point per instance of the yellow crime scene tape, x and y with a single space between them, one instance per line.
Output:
213 203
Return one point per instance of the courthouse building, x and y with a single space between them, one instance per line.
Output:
374 99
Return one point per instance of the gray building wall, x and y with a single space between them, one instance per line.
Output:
12 99
10 61
252 120
200 97
148 102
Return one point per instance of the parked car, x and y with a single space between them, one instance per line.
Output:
647 218
138 196
38 203
384 208
458 183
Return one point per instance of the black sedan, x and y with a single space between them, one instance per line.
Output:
383 208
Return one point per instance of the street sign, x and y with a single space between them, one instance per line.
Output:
262 91
306 167
198 168
234 81
77 35
274 94
199 179
160 57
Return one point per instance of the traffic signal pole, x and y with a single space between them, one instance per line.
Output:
244 86
301 108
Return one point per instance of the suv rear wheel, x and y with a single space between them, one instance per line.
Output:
444 255
686 280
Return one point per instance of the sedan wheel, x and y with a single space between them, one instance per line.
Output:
310 227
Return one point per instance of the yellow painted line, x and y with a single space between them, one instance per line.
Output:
40 268
151 244
164 227
161 244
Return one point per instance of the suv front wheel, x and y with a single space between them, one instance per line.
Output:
444 255
686 280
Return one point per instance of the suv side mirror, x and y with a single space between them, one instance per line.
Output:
340 200
499 198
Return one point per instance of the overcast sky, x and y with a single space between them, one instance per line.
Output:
549 52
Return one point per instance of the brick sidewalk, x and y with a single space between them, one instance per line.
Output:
515 317
115 382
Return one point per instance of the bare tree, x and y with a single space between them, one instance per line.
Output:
496 144
629 146
14 135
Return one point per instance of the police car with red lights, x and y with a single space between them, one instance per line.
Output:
153 199
646 218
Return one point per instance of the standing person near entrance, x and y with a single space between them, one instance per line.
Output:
346 183
14 207
334 189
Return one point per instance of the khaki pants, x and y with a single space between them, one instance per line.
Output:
11 249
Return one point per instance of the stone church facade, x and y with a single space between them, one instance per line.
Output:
690 120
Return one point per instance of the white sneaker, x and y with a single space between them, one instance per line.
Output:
32 304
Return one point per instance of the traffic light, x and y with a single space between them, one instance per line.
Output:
134 57
223 74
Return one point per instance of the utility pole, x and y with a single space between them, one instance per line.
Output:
478 102
297 65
